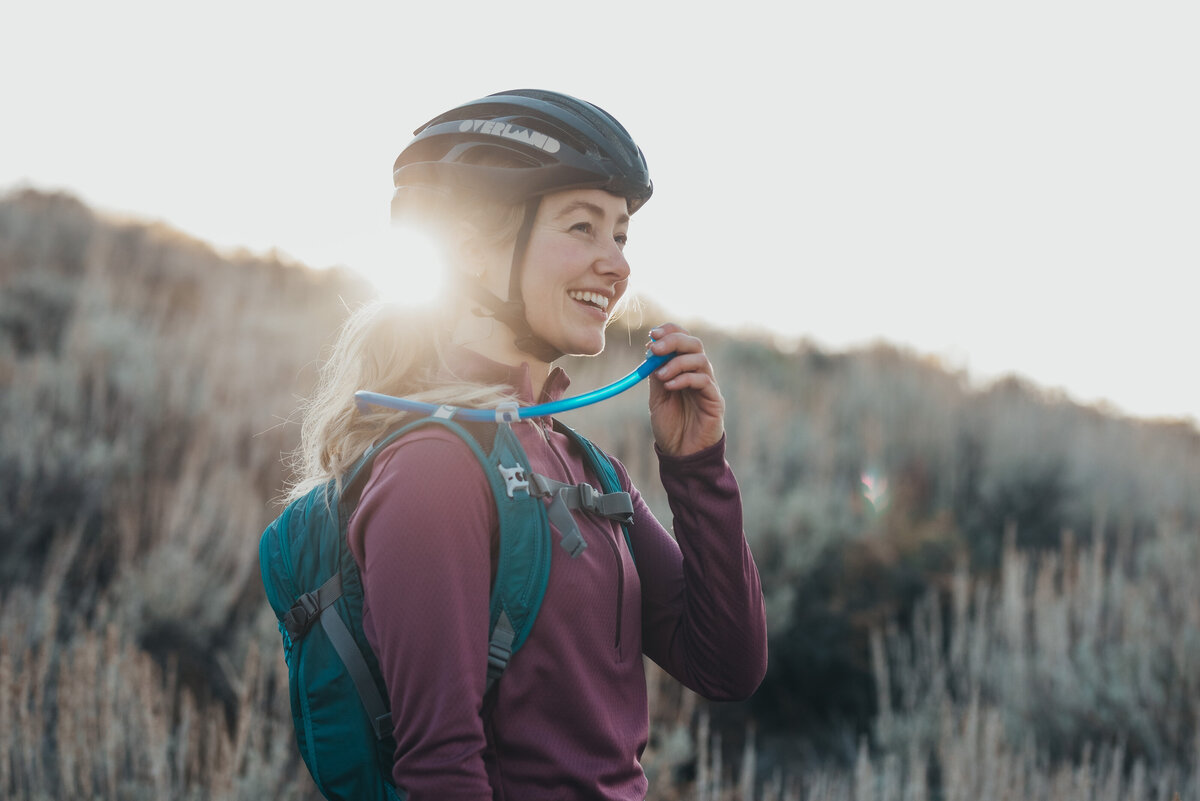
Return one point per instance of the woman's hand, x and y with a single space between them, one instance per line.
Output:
687 410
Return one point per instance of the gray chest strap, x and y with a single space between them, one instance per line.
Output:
616 506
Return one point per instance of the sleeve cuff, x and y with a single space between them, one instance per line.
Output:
714 452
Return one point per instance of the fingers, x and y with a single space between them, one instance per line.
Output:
690 363
669 330
686 406
671 338
687 371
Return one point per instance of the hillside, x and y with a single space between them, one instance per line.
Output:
930 552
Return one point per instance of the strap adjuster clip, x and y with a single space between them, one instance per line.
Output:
588 498
301 616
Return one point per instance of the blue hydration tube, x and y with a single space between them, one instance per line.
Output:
511 412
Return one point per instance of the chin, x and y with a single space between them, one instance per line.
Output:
588 347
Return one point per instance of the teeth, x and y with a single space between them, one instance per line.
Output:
590 297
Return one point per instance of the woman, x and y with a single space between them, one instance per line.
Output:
531 194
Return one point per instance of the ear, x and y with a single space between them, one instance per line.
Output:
474 258
468 252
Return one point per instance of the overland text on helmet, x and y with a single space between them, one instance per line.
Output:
532 138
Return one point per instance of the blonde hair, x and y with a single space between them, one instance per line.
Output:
386 349
397 351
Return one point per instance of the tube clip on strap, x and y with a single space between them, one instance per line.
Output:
508 412
514 478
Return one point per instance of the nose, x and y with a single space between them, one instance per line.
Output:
612 262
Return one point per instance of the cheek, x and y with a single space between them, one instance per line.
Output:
551 264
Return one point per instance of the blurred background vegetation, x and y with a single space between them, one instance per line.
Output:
972 593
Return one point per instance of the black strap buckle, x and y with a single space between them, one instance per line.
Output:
301 616
308 607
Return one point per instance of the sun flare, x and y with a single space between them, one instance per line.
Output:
403 264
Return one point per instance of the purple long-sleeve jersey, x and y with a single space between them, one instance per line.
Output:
568 720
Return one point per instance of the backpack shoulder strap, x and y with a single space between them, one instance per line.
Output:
596 459
523 561
600 464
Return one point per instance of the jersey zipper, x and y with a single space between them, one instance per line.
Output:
616 548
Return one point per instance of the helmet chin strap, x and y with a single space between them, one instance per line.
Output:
511 312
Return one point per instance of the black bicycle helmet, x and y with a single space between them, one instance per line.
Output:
548 141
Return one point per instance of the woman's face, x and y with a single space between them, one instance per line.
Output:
574 270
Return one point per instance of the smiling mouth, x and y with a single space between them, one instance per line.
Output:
594 299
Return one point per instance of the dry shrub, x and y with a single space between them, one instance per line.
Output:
145 379
1073 676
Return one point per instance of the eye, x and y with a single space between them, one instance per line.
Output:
584 227
621 240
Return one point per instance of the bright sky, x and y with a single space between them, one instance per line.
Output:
1011 186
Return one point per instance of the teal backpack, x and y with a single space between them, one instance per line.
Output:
338 698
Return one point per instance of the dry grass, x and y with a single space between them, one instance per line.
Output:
94 716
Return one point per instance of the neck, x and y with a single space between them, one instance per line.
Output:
493 340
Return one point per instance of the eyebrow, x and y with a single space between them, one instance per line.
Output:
574 206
